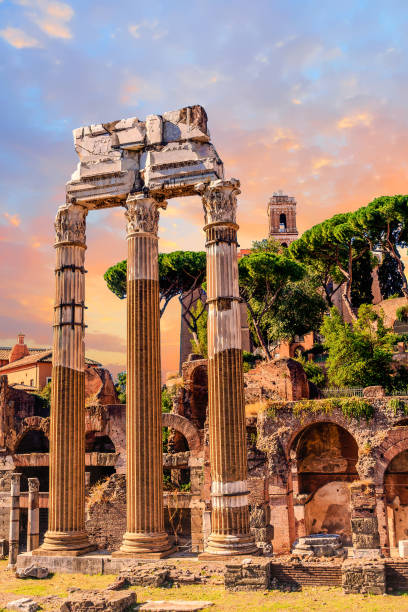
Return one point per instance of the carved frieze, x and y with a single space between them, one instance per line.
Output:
142 214
219 200
70 224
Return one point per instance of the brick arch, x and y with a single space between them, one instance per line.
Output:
314 419
390 448
183 425
34 423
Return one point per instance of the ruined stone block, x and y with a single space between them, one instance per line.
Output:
366 576
98 601
259 516
363 540
263 534
366 525
247 575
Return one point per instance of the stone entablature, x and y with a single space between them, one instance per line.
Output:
166 154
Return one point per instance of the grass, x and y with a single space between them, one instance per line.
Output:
321 598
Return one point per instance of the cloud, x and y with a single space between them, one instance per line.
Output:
351 121
150 28
51 17
12 219
18 38
134 30
321 163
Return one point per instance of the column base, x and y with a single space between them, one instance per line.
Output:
64 544
145 546
226 546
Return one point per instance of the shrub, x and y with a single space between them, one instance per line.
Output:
402 313
398 405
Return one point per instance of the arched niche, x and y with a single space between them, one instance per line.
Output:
33 445
325 452
396 496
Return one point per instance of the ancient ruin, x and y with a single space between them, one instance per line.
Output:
254 465
138 165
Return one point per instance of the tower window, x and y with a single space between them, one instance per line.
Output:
282 223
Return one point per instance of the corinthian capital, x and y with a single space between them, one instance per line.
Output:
219 200
142 214
70 224
33 485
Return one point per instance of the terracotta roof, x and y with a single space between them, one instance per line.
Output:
44 356
6 350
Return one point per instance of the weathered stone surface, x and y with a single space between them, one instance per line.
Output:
166 154
403 548
99 386
374 391
247 575
280 379
259 516
175 605
33 571
3 548
25 604
146 575
319 545
95 601
366 576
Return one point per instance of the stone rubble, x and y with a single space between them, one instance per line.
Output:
33 571
175 606
25 604
98 601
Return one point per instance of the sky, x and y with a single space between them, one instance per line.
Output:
305 96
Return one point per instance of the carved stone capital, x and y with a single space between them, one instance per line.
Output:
142 214
33 485
219 200
70 224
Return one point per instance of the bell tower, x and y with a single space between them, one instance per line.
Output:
282 218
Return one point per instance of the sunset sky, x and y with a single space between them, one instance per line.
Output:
305 96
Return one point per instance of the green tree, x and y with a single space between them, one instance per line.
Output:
383 224
361 288
314 373
120 386
331 249
199 341
181 273
359 355
262 279
389 278
299 310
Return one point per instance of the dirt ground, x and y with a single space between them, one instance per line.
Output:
48 593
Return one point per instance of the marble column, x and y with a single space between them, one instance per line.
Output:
14 537
230 532
66 520
33 523
145 535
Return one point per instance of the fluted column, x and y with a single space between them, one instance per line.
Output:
230 532
66 519
33 523
14 530
145 535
